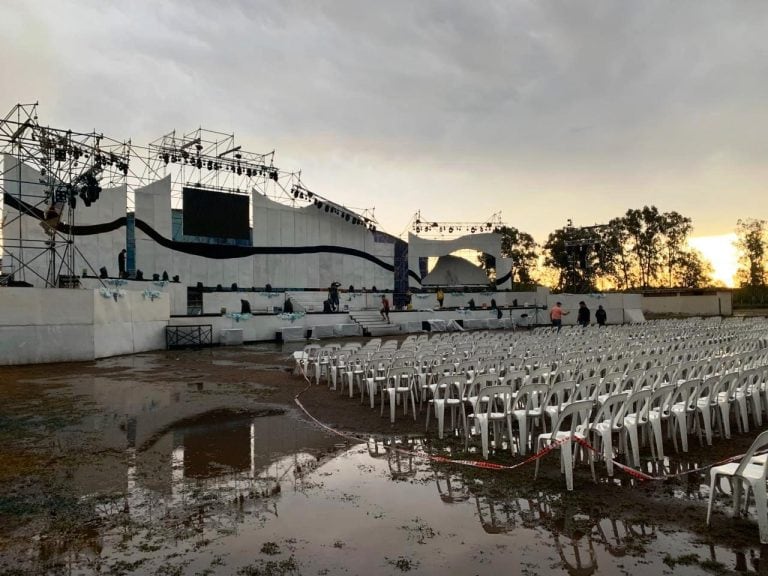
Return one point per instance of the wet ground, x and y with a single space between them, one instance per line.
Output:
199 462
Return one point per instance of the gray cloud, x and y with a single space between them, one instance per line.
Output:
459 109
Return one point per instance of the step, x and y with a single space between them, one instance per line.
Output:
385 330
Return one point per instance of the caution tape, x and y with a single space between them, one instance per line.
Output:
484 464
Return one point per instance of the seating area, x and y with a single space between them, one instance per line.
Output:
627 390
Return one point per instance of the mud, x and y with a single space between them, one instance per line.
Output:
200 462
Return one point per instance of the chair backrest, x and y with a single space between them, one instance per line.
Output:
660 399
685 394
587 388
611 410
531 397
759 443
637 405
560 393
493 400
574 417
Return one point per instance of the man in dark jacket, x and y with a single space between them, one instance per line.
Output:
583 317
600 315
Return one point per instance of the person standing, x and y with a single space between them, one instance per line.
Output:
556 315
600 315
121 263
584 315
384 308
333 296
440 297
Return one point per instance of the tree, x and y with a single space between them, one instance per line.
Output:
691 270
521 249
572 253
751 243
643 248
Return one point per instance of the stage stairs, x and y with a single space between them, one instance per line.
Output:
372 323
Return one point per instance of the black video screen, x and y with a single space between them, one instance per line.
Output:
215 214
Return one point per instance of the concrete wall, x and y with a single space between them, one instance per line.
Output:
58 325
682 304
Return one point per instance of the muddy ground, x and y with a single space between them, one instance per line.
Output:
140 464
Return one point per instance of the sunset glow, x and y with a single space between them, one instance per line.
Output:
721 253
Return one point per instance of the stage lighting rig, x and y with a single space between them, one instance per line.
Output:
437 229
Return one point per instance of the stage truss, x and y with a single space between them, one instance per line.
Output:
73 166
426 228
69 161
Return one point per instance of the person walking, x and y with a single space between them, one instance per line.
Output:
384 309
584 315
121 263
556 315
600 315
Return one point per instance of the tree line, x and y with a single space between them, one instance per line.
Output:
642 249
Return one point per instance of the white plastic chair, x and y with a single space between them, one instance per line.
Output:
608 421
749 473
492 407
572 423
447 393
400 385
527 409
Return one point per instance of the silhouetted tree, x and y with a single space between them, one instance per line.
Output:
751 243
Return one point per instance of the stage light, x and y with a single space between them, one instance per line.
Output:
173 159
450 230
248 173
472 230
327 207
210 165
273 175
319 205
347 217
418 229
295 193
199 164
239 171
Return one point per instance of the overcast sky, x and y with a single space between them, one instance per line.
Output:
543 110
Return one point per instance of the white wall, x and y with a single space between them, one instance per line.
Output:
714 304
39 325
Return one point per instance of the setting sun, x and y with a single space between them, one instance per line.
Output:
721 253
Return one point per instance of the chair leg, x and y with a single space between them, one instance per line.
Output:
711 497
761 509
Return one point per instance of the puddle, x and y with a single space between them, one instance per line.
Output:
144 466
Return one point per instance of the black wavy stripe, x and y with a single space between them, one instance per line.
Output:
215 251
504 278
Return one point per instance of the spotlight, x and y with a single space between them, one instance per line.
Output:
347 217
210 165
273 175
450 230
418 229
319 205
173 159
199 164
472 230
248 173
295 193
327 207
